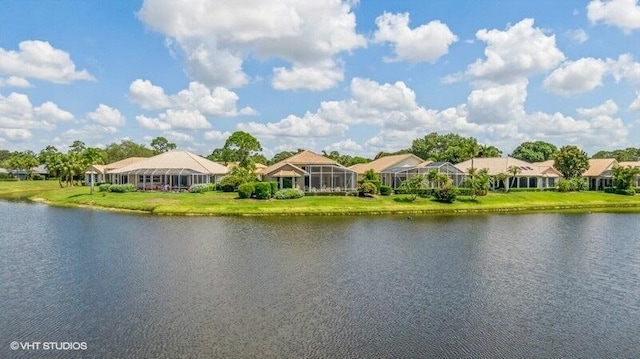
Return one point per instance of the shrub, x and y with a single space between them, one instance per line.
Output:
246 190
375 182
262 190
202 187
446 194
289 193
385 190
122 188
367 188
226 187
579 184
465 191
637 189
609 190
37 177
104 187
274 188
565 186
626 192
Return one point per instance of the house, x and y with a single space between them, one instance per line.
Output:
598 175
22 174
528 175
634 164
102 173
384 163
175 170
396 175
311 172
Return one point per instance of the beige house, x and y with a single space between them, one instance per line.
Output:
387 162
634 164
311 172
173 170
530 175
599 173
102 173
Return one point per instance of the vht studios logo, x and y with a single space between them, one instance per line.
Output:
48 345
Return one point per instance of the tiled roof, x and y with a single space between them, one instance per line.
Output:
497 165
299 159
384 163
177 159
599 165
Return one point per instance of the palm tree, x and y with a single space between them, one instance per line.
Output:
432 176
513 171
502 177
92 156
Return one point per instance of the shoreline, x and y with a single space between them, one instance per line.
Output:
601 208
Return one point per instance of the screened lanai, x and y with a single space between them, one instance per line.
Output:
311 172
395 176
174 170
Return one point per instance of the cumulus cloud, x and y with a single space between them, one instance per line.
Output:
425 43
609 108
497 104
635 105
178 136
106 116
576 77
580 36
174 119
625 68
515 54
17 113
310 125
16 134
220 36
14 81
39 60
348 146
216 135
219 102
624 14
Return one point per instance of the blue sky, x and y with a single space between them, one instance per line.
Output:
354 76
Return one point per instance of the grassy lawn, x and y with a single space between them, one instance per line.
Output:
217 203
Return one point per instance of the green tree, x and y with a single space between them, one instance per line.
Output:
450 147
537 151
23 161
624 177
571 161
4 155
161 144
92 156
119 151
413 186
240 147
486 151
282 155
514 171
627 154
478 182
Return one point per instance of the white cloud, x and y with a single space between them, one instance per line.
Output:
609 108
346 146
625 68
216 135
576 77
51 111
219 102
106 116
316 78
39 60
178 136
425 43
16 134
635 105
17 112
624 14
148 95
152 123
497 104
14 81
310 125
580 36
516 53
217 40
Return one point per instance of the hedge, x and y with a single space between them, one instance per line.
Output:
289 193
385 190
274 188
202 187
262 190
246 190
122 188
104 187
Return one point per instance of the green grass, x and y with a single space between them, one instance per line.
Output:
216 203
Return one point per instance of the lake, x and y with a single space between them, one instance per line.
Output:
512 286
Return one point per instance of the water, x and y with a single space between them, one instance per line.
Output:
511 286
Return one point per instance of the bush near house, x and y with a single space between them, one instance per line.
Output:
274 188
262 190
385 190
122 188
289 193
202 187
104 187
367 189
570 185
246 190
446 194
